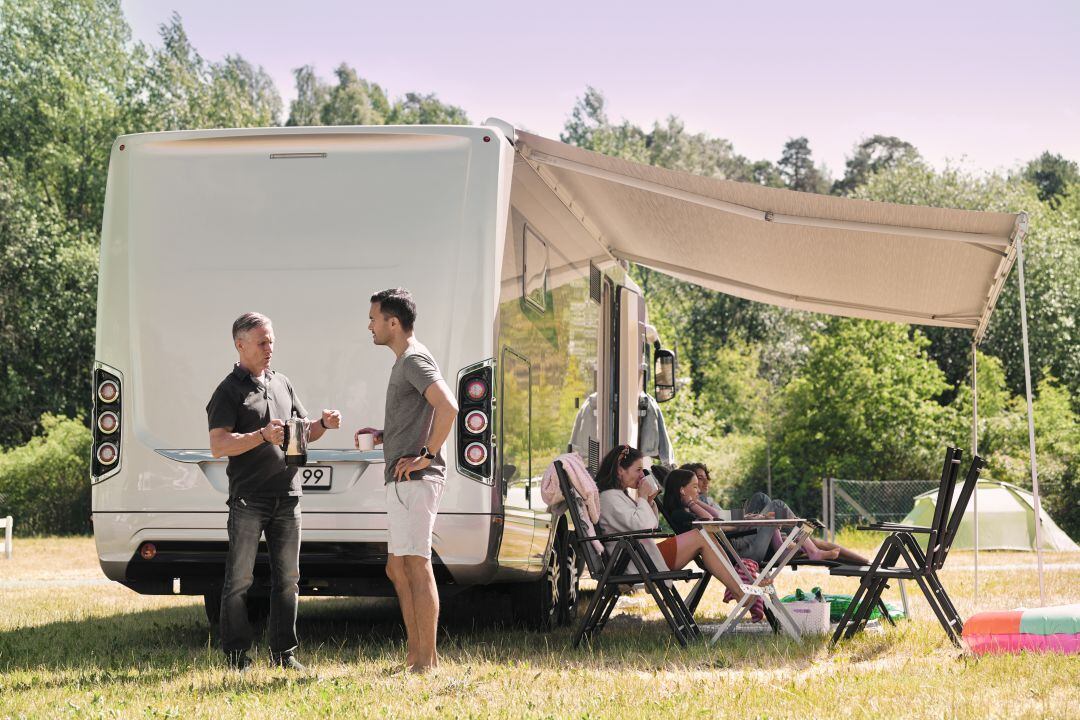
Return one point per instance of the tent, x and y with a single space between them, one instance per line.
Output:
842 256
1006 520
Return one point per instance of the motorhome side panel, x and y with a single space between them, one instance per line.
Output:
548 350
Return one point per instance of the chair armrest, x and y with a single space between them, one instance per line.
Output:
884 527
629 534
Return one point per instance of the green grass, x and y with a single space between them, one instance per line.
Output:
103 651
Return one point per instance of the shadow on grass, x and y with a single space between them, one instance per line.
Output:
475 628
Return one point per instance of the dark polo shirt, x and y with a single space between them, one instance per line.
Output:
241 405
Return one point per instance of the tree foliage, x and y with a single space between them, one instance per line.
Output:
1052 175
877 153
43 484
797 170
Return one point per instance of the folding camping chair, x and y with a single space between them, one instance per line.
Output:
920 566
625 565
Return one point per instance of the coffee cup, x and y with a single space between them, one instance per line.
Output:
365 441
647 487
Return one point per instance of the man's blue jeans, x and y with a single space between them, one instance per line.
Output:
279 518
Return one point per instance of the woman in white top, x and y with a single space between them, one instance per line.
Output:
620 471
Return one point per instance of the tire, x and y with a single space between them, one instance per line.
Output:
569 593
536 605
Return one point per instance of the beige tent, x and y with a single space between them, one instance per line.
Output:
919 265
1006 520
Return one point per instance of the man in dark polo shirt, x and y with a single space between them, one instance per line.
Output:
246 415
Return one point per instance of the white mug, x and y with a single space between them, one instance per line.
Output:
647 487
366 441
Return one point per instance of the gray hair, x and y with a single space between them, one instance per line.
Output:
248 321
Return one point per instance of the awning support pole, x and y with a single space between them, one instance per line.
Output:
1030 418
974 452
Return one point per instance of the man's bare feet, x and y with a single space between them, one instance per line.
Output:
421 668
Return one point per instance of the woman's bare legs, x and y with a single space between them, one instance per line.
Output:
847 555
690 545
809 547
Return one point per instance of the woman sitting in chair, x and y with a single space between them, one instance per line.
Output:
621 471
683 505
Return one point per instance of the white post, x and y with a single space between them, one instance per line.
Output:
8 521
974 452
1031 418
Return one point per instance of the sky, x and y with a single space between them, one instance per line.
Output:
984 85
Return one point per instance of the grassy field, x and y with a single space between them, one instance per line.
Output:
73 646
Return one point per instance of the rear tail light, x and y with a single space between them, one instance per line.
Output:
106 422
476 454
476 390
475 441
108 391
107 454
476 422
147 551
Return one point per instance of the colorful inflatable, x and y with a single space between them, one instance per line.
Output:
1051 629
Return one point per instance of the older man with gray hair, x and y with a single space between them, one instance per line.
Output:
247 414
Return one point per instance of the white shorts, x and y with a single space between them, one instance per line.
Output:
411 507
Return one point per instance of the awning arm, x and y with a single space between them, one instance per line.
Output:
978 239
565 198
1020 228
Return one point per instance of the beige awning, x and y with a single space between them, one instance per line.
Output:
903 263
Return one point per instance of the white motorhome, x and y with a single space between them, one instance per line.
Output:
531 319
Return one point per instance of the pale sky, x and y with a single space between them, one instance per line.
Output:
987 84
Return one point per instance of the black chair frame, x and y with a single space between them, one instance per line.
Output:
901 557
625 565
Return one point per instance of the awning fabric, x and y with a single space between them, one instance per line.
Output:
900 263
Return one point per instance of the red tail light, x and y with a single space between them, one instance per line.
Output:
475 442
106 422
476 454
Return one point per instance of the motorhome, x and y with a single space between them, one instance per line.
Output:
536 326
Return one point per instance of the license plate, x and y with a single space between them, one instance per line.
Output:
316 477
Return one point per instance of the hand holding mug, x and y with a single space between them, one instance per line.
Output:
366 438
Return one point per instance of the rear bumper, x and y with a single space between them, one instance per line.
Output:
347 568
340 554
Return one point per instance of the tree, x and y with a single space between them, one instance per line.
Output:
311 95
588 127
864 405
1052 269
873 155
68 86
186 92
418 109
1003 438
1052 175
796 168
354 101
242 95
48 281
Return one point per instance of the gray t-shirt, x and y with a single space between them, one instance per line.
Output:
409 415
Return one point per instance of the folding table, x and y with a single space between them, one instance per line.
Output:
715 535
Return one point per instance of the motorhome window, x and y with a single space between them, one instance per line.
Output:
535 269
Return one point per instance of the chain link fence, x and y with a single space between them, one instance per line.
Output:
852 502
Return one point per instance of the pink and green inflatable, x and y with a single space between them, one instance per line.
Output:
1050 629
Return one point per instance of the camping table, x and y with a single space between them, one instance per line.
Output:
715 532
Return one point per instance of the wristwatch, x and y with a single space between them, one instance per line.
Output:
425 453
